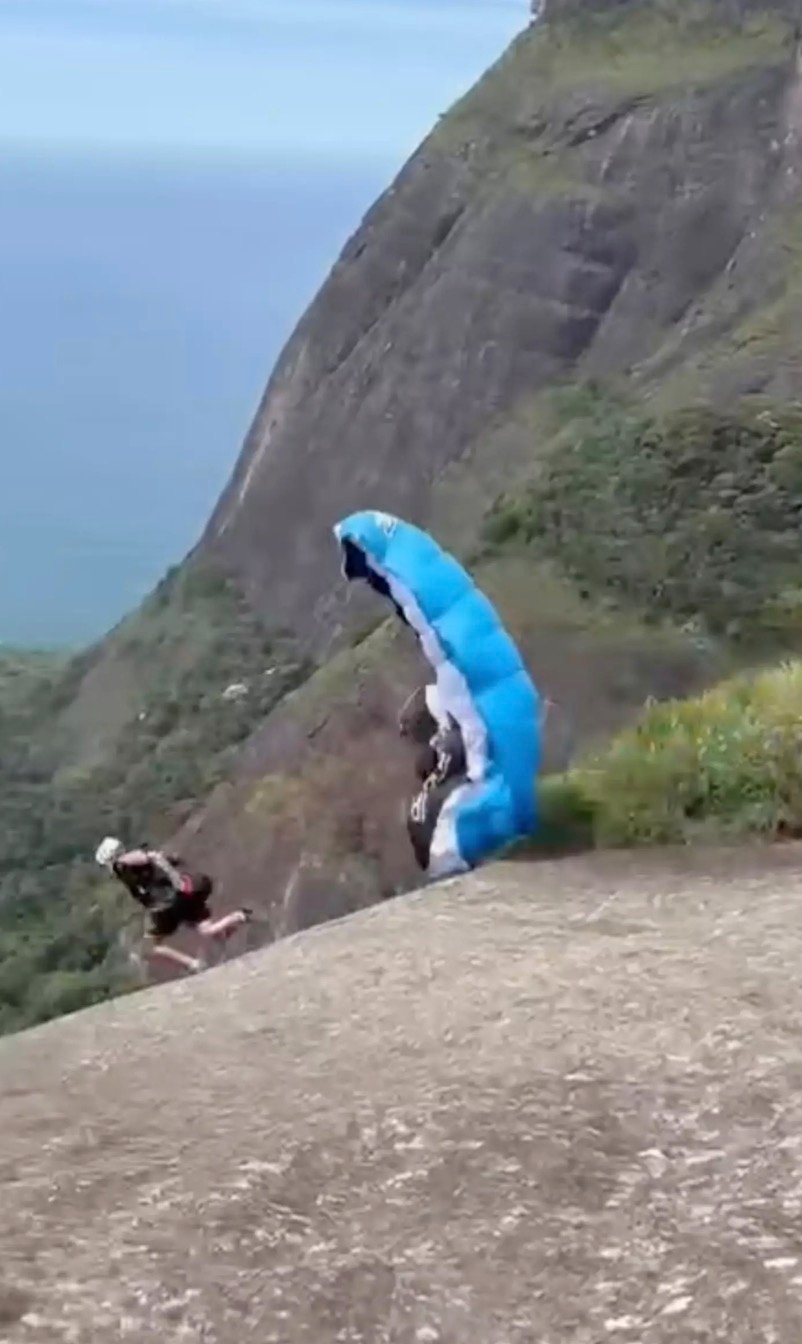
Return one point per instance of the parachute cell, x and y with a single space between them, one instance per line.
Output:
481 682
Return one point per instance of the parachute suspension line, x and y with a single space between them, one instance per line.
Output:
402 711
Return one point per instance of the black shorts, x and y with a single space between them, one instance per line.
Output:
423 816
190 907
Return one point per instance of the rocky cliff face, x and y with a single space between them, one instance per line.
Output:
615 201
598 201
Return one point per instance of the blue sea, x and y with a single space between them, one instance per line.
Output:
142 306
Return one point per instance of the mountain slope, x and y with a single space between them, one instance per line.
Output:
558 1103
613 207
604 229
603 194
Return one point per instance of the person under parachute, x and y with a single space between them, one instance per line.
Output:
440 764
172 897
478 727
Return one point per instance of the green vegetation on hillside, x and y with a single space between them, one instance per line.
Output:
724 765
691 516
653 47
695 515
621 52
192 642
23 670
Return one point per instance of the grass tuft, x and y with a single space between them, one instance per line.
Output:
725 765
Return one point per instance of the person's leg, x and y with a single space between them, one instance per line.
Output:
162 924
195 910
156 950
222 928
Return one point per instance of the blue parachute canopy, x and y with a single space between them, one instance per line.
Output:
481 682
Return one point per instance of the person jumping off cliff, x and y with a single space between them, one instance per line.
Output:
172 897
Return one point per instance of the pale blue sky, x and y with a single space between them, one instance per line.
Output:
240 76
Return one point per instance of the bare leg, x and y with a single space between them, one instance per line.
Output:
158 951
222 928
